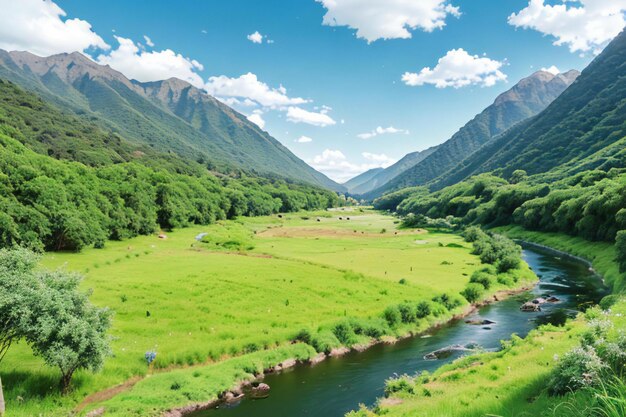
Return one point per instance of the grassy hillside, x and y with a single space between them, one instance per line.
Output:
195 126
527 98
247 287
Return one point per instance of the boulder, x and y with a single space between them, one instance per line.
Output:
261 390
552 300
530 307
539 300
449 350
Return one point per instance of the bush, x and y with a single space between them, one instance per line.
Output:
607 302
422 310
449 302
483 278
509 262
403 383
392 316
473 292
324 341
407 313
303 336
375 328
579 368
344 333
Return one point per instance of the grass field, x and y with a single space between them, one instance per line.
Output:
249 286
510 383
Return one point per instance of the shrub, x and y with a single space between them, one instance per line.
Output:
608 301
473 292
407 313
403 383
303 336
449 302
375 327
324 341
579 368
422 310
344 333
482 278
392 316
506 280
509 262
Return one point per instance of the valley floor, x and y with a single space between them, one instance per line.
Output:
220 310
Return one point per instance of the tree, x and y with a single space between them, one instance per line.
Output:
47 310
67 331
16 298
518 176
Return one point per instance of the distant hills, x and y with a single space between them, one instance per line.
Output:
583 129
382 176
167 116
527 98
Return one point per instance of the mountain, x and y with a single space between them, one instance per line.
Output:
362 179
583 129
168 116
527 98
383 176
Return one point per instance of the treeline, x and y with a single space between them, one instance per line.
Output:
591 204
48 204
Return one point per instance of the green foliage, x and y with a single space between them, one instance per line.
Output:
608 301
473 292
325 341
392 316
48 311
59 205
484 277
620 248
579 368
494 249
423 309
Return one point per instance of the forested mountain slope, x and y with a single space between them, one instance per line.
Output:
586 120
169 116
527 98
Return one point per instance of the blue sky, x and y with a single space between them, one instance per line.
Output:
326 84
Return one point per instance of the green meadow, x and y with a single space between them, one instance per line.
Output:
226 307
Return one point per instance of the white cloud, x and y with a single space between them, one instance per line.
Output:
148 41
151 66
304 139
458 69
299 115
582 25
381 131
552 70
249 87
336 165
40 27
257 118
255 37
380 159
388 19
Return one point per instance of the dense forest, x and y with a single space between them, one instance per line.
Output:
85 185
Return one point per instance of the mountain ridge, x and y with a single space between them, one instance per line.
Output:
526 98
161 114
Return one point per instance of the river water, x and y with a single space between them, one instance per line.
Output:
338 385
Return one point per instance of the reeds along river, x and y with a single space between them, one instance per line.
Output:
338 385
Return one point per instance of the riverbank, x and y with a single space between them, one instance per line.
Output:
512 380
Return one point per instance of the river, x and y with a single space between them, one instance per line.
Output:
338 385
